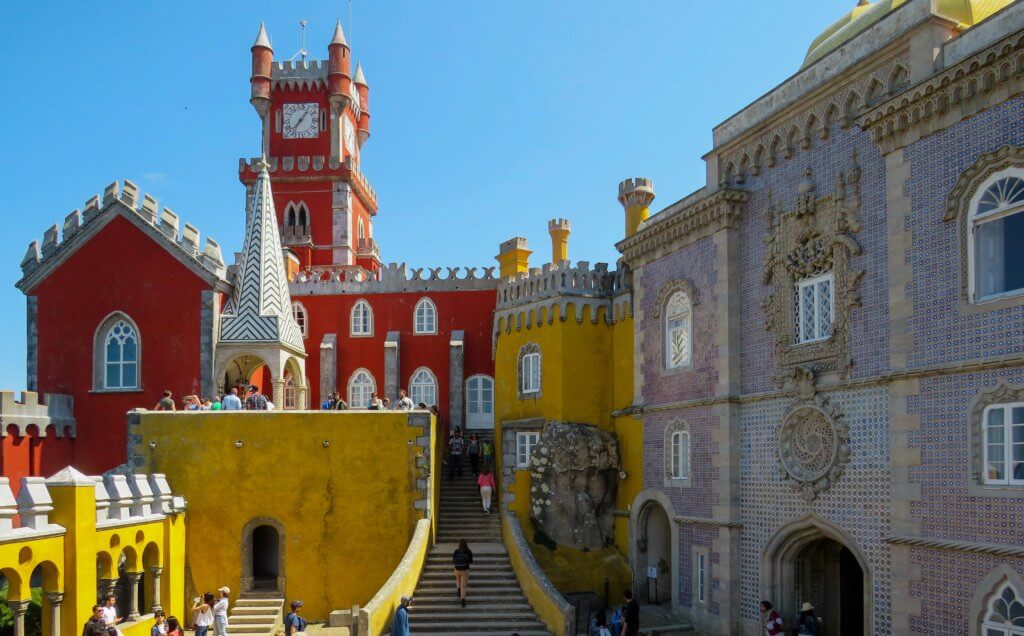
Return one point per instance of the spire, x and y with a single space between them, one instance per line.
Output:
260 307
359 78
262 39
339 35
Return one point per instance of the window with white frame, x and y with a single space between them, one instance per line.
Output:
121 357
299 314
425 316
362 319
423 387
702 578
480 402
814 301
1003 444
525 443
1004 615
997 234
678 330
529 379
680 455
360 386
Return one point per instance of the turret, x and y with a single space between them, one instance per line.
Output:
513 257
636 195
364 104
559 230
339 76
262 60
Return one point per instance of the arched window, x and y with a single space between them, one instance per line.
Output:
678 331
996 233
529 371
122 357
480 402
1004 615
299 314
423 387
362 319
360 386
814 308
303 217
425 317
680 454
362 230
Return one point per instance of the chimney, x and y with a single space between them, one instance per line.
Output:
559 230
636 195
513 257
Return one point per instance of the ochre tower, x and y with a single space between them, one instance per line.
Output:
315 119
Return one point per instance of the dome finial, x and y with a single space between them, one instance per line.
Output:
339 35
359 77
262 39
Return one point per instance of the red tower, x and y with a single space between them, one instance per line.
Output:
315 120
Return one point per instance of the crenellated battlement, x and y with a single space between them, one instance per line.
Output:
394 277
165 223
54 410
299 74
311 166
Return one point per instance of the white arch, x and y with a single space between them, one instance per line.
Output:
360 385
423 387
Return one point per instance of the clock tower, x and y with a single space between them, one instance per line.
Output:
315 119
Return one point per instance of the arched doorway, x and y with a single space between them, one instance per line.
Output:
263 555
814 562
655 549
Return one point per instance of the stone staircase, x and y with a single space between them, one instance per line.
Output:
495 603
255 613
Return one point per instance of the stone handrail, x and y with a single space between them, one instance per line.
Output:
563 279
376 617
557 613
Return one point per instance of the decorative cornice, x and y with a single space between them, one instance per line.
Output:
995 549
949 96
701 521
675 227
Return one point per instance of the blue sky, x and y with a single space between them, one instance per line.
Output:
489 117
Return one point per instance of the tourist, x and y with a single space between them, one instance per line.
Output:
630 615
456 447
486 483
771 620
339 404
404 402
327 405
166 403
95 626
401 623
216 405
473 448
110 617
206 405
599 625
256 400
190 403
385 403
174 628
293 623
487 450
375 403
807 623
461 559
203 617
220 613
232 402
422 406
159 624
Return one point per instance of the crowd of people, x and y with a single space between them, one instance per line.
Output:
208 612
240 398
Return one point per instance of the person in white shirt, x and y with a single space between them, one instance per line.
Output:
220 613
110 617
203 608
231 401
404 402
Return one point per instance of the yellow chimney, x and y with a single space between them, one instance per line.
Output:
636 195
559 230
513 257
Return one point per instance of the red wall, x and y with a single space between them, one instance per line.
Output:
119 269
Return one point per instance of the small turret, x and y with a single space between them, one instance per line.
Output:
636 195
559 230
262 60
513 257
364 104
339 76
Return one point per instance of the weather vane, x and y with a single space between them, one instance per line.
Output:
302 51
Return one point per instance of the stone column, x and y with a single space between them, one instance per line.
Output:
456 401
133 587
328 367
278 395
18 608
392 379
300 397
107 587
156 571
209 311
55 599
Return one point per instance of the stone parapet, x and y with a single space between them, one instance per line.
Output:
54 410
394 277
311 167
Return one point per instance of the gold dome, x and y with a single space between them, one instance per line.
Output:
965 13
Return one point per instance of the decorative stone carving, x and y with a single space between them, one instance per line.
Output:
814 440
816 237
574 479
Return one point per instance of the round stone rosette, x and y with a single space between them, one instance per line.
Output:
814 448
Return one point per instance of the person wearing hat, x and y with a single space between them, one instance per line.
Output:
293 623
401 624
807 624
220 612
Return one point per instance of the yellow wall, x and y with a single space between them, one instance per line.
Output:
347 507
377 616
586 374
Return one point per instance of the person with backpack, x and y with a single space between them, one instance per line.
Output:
487 451
771 620
462 558
256 401
293 623
456 447
807 623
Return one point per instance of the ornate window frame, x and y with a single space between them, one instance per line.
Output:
960 206
976 486
99 354
668 291
429 311
681 428
531 349
351 384
814 238
368 332
986 591
433 384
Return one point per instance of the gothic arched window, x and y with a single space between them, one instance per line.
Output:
1004 615
121 357
996 233
301 318
360 386
425 317
423 387
678 331
362 319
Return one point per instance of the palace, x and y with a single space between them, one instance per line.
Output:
803 382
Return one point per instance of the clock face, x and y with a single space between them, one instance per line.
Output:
301 121
350 137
